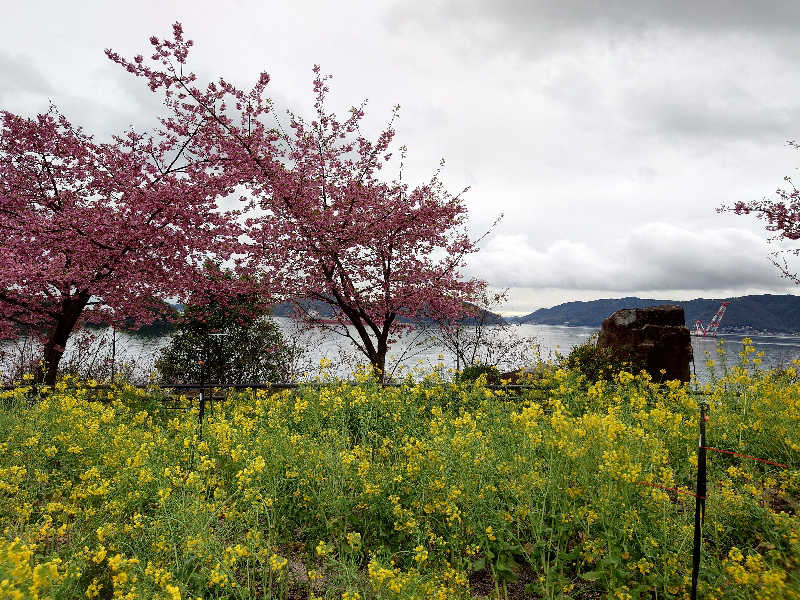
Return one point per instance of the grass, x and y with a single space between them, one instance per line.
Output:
430 490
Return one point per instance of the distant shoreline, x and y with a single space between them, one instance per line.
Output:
166 331
758 314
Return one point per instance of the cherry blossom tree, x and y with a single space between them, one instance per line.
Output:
99 231
782 217
323 224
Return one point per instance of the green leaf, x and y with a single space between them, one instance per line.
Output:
506 568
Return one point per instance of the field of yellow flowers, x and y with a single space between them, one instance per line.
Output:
427 490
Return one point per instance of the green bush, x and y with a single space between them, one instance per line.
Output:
224 345
595 362
472 372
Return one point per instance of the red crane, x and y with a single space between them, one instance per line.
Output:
713 325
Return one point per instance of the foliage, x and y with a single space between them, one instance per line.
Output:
475 370
595 362
782 218
426 490
328 227
93 231
483 338
222 345
92 356
17 357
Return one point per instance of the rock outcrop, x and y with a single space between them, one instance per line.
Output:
652 338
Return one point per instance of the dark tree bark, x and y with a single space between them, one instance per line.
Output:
70 311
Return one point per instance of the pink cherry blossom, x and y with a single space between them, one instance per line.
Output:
100 231
322 222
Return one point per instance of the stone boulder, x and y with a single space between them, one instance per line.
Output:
653 338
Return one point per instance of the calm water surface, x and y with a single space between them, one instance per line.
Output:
139 353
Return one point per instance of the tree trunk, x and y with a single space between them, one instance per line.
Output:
377 359
379 364
71 309
376 354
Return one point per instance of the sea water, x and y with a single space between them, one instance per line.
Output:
136 354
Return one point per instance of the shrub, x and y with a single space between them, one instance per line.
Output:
416 491
224 345
595 362
472 372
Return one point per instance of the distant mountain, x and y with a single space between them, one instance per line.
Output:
755 313
325 311
485 317
287 309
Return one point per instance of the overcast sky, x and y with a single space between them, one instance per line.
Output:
607 133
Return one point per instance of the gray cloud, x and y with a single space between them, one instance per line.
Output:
653 256
607 132
109 102
682 69
19 77
698 115
531 18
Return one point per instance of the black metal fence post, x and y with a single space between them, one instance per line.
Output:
700 502
202 396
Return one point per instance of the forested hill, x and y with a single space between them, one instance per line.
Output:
764 313
325 311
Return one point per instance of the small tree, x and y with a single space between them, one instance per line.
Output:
596 362
482 339
223 345
782 217
329 228
99 231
